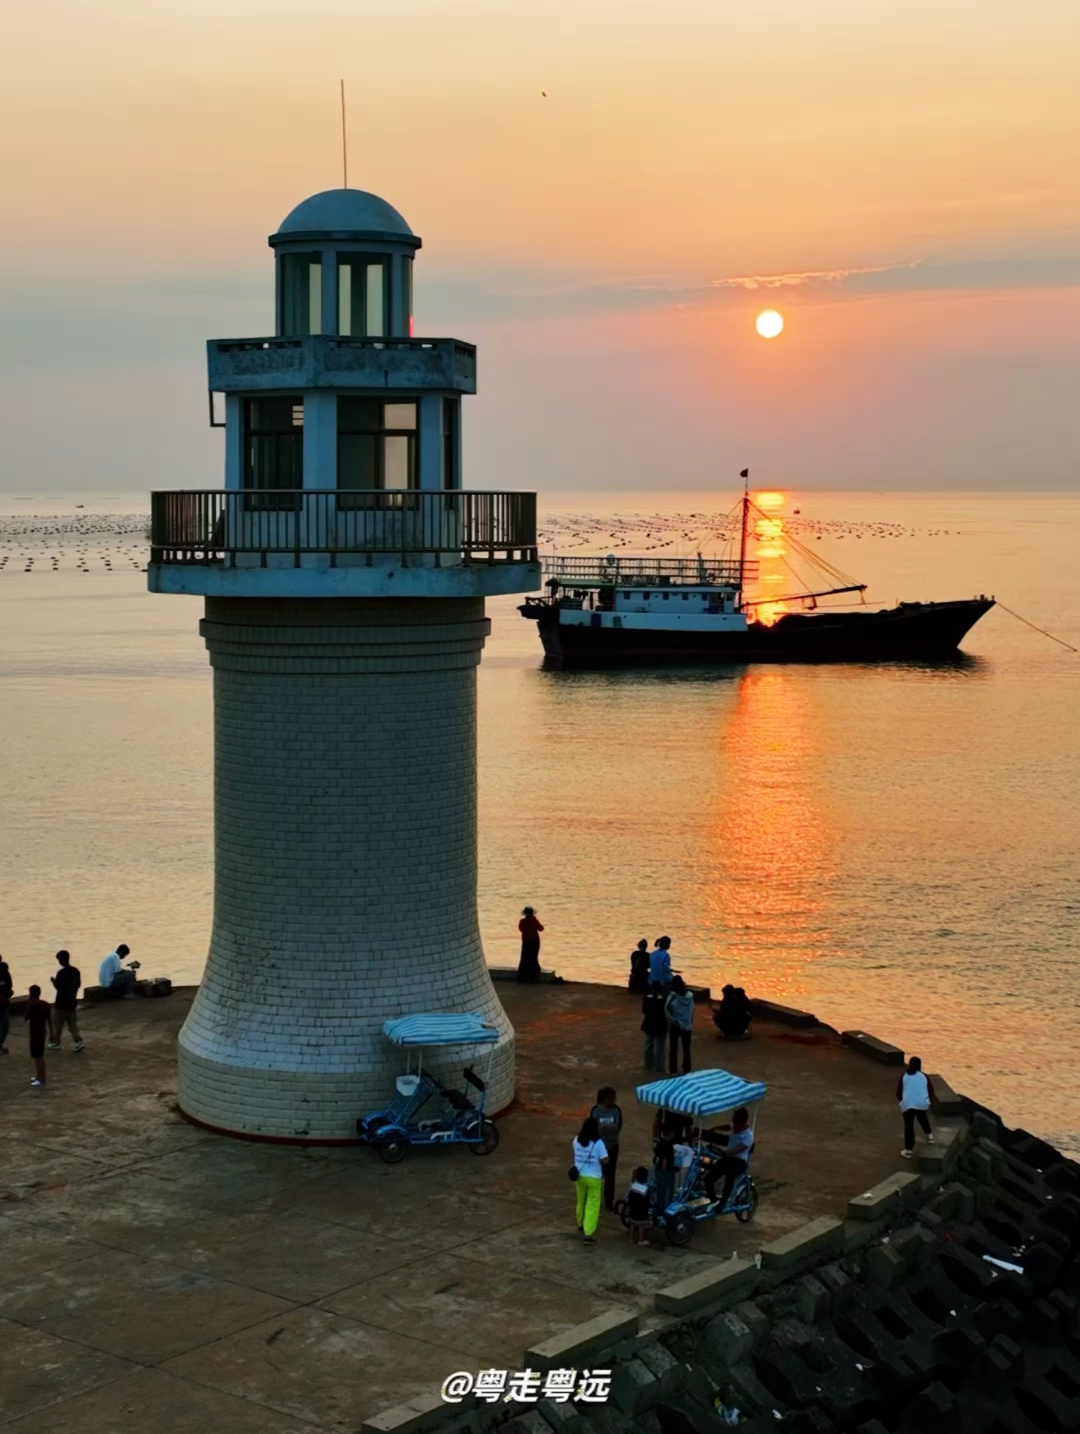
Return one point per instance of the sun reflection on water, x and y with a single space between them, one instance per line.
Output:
770 836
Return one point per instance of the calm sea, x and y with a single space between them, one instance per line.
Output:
892 847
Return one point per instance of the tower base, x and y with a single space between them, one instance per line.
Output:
345 861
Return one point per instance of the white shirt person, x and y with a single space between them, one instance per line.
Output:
112 975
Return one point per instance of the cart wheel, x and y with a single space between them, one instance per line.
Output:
680 1229
488 1133
747 1213
392 1150
620 1209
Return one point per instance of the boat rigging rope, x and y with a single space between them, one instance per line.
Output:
1034 628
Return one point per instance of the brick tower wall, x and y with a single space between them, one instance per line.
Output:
345 859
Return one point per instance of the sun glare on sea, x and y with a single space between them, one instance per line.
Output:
769 499
769 324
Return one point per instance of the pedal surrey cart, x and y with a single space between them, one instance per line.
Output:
705 1095
425 1111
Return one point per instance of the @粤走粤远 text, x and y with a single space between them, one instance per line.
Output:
526 1386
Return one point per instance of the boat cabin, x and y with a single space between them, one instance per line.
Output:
655 593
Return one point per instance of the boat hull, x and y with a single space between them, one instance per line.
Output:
908 632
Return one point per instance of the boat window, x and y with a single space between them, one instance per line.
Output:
646 596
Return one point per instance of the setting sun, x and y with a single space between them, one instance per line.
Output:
769 324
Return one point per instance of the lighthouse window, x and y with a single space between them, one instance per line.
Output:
274 447
406 276
362 294
376 445
301 294
451 418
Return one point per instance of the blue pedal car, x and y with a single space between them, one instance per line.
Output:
424 1110
703 1095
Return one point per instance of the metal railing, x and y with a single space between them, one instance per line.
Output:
217 526
614 571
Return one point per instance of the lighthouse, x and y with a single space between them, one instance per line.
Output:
343 568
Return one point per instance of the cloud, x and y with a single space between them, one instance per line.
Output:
919 275
816 277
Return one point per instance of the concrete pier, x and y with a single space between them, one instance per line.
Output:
169 1279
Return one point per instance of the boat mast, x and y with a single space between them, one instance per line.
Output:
745 475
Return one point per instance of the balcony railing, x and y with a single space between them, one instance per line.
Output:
615 571
245 527
329 361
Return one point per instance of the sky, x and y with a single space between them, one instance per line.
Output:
608 192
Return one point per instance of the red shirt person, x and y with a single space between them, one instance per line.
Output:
530 928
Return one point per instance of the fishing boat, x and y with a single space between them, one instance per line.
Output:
618 611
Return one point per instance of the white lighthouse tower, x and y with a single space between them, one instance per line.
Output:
344 570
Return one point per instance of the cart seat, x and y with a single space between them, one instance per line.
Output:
457 1100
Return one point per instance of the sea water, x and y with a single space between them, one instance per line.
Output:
891 846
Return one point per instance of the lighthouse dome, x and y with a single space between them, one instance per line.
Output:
343 212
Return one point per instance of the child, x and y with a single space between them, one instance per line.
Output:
637 1207
37 1013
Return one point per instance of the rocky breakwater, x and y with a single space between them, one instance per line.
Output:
948 1300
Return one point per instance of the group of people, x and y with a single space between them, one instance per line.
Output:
45 1021
667 1007
595 1151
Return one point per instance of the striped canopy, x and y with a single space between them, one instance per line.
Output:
702 1093
441 1030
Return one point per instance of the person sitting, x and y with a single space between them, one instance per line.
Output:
736 1157
639 967
112 976
732 1016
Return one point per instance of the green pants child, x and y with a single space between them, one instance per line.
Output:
589 1190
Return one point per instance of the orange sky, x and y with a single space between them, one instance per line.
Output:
911 169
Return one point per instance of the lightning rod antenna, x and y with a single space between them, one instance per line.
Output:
344 141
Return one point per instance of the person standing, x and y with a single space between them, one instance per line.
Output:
37 1014
639 967
654 1028
915 1092
660 963
587 1171
664 1168
529 964
7 990
67 982
679 1010
112 976
608 1118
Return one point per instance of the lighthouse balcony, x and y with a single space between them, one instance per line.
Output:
327 361
307 542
